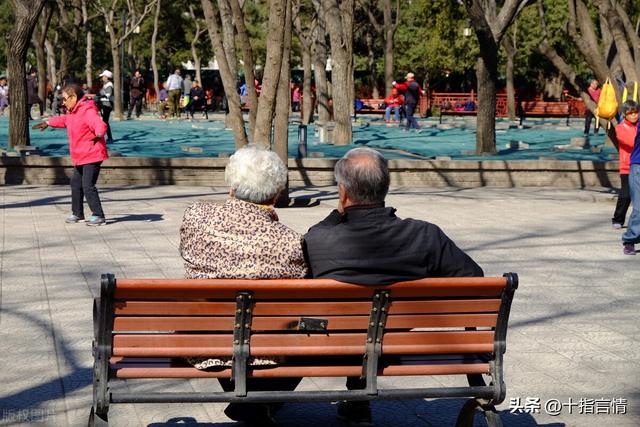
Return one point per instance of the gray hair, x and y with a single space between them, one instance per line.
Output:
255 174
364 174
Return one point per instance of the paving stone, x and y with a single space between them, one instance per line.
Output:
573 327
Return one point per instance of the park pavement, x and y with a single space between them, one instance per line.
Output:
572 347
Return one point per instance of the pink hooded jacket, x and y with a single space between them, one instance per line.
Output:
83 123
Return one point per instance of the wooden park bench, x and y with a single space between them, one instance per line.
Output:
463 113
316 327
544 109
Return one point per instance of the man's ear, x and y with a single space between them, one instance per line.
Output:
343 199
232 193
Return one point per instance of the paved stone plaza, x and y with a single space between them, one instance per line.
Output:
573 332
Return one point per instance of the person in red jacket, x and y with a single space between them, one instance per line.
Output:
88 149
594 92
412 91
626 135
394 102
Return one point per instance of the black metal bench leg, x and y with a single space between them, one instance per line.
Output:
98 420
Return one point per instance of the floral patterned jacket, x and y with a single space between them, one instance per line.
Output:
238 239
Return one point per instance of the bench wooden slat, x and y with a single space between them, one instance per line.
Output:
291 289
440 364
180 308
176 308
445 306
137 371
422 342
173 345
441 321
285 323
312 309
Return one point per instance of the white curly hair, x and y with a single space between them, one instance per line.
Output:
255 174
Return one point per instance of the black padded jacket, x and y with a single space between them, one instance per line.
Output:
372 246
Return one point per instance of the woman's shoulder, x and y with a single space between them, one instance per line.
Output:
204 206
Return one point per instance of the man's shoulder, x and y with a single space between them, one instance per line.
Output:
330 221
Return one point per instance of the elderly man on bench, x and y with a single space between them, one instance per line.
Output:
364 242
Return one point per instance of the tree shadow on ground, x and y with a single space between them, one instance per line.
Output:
105 191
136 218
388 413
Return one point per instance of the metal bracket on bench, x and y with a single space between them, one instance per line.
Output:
241 340
375 331
101 347
313 324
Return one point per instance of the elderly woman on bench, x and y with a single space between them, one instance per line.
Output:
242 238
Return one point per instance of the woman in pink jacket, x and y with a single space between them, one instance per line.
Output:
88 150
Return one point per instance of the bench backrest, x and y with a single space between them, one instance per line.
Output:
545 107
381 328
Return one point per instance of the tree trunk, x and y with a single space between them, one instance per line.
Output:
622 46
229 47
486 127
320 64
389 31
632 33
371 65
194 43
38 39
117 76
306 38
283 103
339 20
273 64
307 98
388 60
247 55
196 60
154 61
89 57
511 92
234 119
88 67
25 15
51 63
63 71
490 28
226 17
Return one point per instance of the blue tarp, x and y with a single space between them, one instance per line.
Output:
456 139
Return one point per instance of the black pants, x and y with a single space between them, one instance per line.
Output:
624 200
411 121
106 112
40 106
83 185
198 104
136 101
262 384
587 123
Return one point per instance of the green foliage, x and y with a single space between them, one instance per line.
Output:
6 22
531 65
431 38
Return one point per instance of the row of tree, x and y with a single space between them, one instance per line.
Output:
535 41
